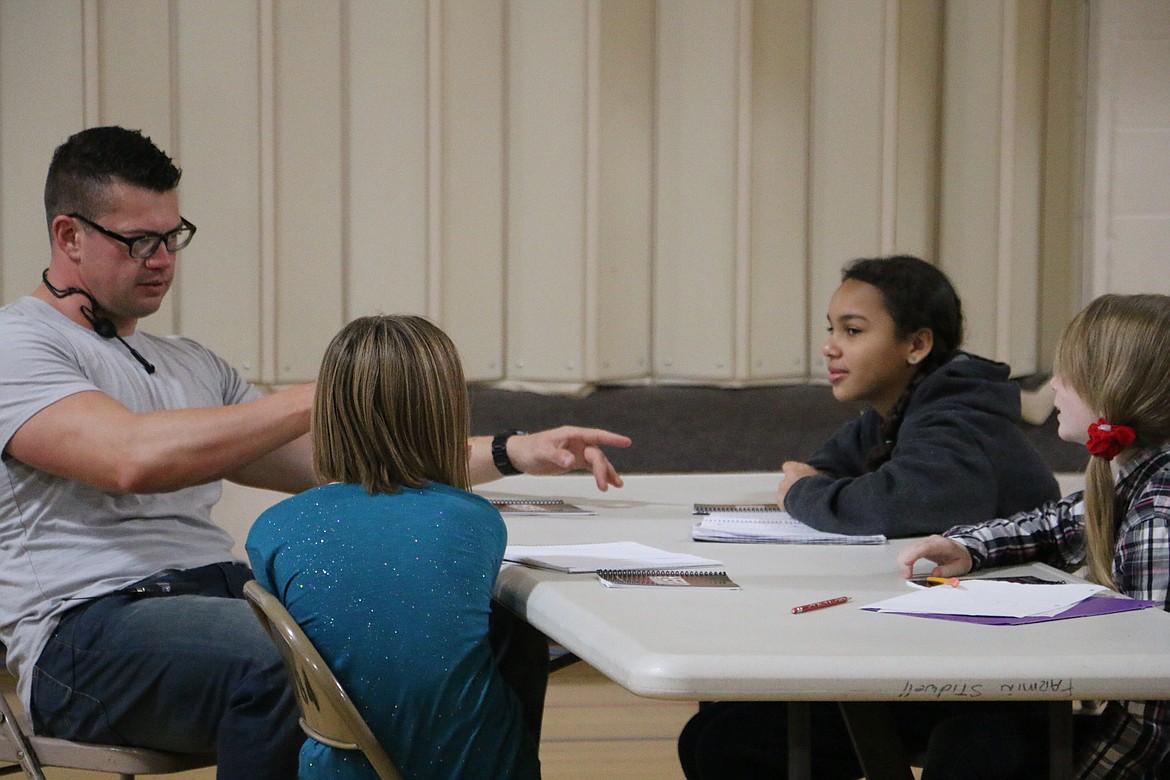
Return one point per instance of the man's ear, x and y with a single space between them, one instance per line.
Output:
65 235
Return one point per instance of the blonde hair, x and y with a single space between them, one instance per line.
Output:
1114 356
391 408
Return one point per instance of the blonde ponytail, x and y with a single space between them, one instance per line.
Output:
1100 521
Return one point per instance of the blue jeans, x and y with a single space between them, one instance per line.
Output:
188 673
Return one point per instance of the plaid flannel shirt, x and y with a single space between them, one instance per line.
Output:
1132 737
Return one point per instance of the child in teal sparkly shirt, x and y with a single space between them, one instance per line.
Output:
390 569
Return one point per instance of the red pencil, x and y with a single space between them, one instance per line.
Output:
819 605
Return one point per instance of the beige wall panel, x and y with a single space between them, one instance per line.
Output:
1142 248
969 226
1101 92
1061 247
1016 327
625 139
1142 170
1141 19
695 214
1141 193
1141 81
991 198
919 96
41 49
546 263
778 329
217 108
470 206
849 79
1139 148
1140 234
135 70
386 157
309 236
135 91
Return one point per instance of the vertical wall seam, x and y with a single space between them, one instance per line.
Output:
1042 208
939 137
1006 181
345 159
505 183
266 197
434 163
741 347
591 267
651 372
1099 145
888 207
809 142
173 87
91 63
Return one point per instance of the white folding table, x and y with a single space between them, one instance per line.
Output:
714 644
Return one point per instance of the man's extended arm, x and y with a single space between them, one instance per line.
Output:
288 469
92 438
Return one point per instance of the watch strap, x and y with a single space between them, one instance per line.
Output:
500 452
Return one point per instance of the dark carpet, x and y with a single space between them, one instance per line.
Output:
692 429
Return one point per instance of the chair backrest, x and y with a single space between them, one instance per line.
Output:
327 713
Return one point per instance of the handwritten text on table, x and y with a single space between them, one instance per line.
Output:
1055 687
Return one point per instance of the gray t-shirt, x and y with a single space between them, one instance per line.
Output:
62 541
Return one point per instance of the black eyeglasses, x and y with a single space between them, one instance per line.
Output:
145 245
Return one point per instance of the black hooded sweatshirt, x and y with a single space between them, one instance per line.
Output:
960 457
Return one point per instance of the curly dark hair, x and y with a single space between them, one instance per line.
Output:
916 295
90 161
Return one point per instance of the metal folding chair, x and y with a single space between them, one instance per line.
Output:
327 713
28 753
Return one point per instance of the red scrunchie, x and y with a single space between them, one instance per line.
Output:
1106 440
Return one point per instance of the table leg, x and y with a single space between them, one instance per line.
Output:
878 746
1060 740
799 736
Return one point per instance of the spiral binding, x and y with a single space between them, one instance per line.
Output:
706 578
706 509
532 501
661 573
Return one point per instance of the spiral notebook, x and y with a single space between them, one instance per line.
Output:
770 527
652 578
537 506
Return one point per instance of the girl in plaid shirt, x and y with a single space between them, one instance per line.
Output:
1112 382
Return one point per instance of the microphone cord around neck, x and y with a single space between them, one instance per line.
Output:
102 326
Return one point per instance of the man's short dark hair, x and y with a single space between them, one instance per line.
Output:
85 165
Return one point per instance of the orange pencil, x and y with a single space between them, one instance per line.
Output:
952 581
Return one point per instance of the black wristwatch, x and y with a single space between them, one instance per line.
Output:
500 452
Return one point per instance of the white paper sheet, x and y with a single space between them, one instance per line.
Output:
988 597
575 558
770 527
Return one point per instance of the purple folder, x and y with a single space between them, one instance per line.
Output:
1094 605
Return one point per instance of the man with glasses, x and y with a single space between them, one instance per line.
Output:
120 600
